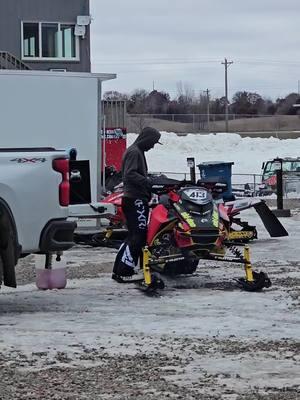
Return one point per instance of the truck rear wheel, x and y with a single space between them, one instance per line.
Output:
9 250
1 271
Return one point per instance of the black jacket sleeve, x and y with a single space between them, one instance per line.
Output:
131 175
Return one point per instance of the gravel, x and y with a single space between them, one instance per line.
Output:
202 338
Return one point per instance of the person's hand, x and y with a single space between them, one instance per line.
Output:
149 183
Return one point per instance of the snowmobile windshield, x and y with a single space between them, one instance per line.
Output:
147 139
196 208
196 195
196 200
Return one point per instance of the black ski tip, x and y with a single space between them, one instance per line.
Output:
270 221
261 281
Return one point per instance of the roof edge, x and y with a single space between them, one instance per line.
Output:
100 76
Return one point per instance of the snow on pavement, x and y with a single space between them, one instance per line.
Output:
203 338
208 322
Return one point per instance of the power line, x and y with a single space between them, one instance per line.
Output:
269 62
157 58
159 61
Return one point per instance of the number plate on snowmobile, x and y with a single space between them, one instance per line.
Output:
196 195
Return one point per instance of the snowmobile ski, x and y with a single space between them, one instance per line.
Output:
270 221
260 281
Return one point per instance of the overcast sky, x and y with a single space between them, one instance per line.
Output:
163 42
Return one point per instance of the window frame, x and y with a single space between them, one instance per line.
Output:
41 58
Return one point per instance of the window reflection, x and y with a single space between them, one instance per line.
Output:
68 41
56 41
31 40
50 43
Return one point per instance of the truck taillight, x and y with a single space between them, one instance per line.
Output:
61 165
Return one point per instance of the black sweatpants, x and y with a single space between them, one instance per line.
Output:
136 212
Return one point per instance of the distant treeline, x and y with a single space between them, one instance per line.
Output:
141 101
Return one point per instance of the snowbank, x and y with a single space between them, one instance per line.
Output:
246 153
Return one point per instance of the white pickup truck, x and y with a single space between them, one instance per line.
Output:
34 206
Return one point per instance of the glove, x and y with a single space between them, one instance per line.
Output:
149 183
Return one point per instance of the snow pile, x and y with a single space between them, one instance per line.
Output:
247 153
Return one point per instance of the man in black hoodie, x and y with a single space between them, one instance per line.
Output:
137 193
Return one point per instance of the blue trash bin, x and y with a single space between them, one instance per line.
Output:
219 171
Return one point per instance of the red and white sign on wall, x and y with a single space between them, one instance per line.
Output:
113 147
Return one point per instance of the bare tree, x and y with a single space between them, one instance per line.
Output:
114 95
285 106
185 97
185 92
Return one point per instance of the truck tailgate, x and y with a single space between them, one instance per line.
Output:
93 210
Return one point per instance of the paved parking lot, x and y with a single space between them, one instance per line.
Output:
202 338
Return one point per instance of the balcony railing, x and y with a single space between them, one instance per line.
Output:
9 61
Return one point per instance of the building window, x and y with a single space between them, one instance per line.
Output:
68 41
48 40
30 40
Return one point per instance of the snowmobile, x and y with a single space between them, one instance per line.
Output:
186 225
239 231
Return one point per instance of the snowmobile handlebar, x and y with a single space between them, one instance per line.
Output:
171 184
213 186
167 185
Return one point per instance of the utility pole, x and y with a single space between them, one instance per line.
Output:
226 65
207 112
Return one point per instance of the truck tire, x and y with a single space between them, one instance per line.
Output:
9 261
1 271
9 248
